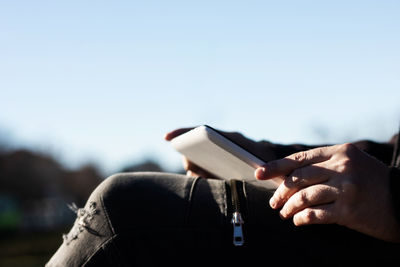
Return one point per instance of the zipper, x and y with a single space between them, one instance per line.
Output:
237 220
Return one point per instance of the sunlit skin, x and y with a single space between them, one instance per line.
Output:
335 184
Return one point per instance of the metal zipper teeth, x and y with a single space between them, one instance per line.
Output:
237 220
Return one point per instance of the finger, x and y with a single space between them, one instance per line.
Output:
192 174
171 135
324 214
298 179
288 164
308 197
194 170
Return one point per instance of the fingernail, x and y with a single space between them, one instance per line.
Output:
260 173
272 202
282 214
166 137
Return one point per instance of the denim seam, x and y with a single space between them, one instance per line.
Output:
190 200
110 227
246 202
107 216
97 249
224 216
116 256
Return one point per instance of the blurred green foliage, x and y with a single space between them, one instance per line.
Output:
28 249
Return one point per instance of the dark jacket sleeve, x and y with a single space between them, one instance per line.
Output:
395 176
395 190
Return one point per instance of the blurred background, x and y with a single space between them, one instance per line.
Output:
89 88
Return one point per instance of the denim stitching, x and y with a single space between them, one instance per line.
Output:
110 239
106 215
190 199
224 217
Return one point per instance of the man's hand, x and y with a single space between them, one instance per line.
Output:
336 184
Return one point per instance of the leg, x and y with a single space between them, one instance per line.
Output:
149 219
143 219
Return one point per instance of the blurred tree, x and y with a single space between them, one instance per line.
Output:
27 175
41 188
5 140
146 165
81 183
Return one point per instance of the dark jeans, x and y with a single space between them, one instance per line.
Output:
154 219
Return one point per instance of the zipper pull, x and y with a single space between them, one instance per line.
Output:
237 223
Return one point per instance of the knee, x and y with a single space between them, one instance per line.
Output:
142 199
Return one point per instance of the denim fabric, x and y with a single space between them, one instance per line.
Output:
141 217
153 219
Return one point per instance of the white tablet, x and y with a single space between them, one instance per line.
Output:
212 151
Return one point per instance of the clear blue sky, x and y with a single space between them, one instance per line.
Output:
102 81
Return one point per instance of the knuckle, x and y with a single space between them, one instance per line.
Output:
308 216
280 196
303 198
316 216
348 149
318 152
344 165
272 167
297 177
300 157
345 160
